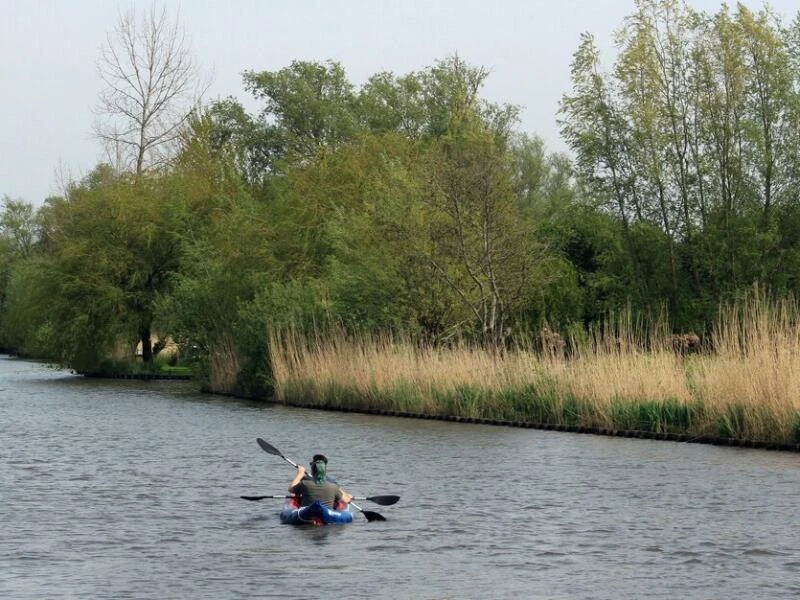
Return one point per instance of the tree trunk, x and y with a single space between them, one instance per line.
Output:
147 346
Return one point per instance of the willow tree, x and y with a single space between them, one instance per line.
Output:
151 86
18 240
113 247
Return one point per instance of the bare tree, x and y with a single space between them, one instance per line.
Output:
151 86
63 178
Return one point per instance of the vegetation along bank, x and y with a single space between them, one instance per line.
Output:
741 390
401 245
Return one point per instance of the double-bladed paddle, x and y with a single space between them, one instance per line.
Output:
369 514
270 449
387 500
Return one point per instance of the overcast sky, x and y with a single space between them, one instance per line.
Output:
48 52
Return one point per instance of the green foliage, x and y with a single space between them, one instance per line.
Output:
660 417
692 133
462 400
18 228
535 404
390 104
300 305
26 330
222 273
411 204
114 367
109 249
310 103
19 233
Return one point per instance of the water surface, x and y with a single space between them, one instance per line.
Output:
125 489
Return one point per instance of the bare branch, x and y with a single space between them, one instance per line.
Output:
63 177
151 86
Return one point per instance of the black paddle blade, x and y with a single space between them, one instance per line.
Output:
387 500
373 516
268 447
369 514
259 497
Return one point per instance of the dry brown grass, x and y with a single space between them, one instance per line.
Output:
224 366
753 377
747 387
371 366
603 379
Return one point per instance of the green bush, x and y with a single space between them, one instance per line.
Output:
796 428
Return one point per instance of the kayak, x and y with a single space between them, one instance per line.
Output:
314 514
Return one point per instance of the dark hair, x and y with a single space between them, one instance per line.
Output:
318 467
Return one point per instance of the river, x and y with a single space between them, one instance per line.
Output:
128 489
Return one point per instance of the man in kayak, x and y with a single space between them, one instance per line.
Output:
317 487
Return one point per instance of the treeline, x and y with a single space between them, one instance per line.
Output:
691 141
410 204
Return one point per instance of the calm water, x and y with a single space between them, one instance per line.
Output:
118 490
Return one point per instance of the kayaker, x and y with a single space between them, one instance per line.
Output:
318 487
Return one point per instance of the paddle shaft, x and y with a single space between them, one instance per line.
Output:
357 506
387 500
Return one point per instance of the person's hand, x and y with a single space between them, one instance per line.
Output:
301 470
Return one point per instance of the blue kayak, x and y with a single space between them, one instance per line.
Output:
314 514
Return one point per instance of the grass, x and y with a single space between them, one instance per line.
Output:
159 366
745 388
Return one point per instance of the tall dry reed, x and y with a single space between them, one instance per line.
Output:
750 385
746 386
224 365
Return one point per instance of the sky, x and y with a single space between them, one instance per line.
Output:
49 49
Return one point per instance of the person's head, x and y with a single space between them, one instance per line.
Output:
319 465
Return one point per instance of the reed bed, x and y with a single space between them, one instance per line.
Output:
224 365
745 387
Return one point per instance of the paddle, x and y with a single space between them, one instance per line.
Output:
382 500
371 515
270 449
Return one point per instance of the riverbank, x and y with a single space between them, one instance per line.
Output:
623 433
142 376
742 391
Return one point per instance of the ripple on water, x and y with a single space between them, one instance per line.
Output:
131 490
755 552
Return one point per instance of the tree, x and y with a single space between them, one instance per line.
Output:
308 107
387 103
113 248
18 237
18 227
151 84
770 106
695 130
479 244
227 129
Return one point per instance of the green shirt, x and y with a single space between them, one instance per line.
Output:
328 493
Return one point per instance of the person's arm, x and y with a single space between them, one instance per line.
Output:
298 477
345 496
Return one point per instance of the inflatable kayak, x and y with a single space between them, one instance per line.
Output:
314 514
